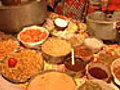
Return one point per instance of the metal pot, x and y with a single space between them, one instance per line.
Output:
13 18
102 27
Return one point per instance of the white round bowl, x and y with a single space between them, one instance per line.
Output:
33 44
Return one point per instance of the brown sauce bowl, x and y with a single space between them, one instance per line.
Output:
76 70
99 71
85 53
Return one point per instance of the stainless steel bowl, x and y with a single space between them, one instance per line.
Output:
101 27
14 17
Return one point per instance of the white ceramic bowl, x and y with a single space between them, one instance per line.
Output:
33 44
94 44
101 66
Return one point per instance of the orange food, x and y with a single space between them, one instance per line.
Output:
8 44
6 47
21 66
33 35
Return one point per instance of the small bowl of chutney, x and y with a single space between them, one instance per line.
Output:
98 70
77 69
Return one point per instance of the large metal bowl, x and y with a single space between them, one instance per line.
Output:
102 27
14 18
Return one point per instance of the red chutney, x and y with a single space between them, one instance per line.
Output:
98 73
33 35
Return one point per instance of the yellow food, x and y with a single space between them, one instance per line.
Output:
8 44
72 27
56 47
29 63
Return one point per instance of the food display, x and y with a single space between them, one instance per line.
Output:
49 24
77 69
21 66
115 68
55 50
59 54
76 40
33 36
52 81
60 23
89 85
85 53
98 71
107 57
72 27
96 85
65 32
93 44
116 71
8 44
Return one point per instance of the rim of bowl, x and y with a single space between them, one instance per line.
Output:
100 81
112 68
33 27
25 79
106 70
43 72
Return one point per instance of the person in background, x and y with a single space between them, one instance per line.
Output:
110 5
76 9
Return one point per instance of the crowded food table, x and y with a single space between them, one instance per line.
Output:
59 54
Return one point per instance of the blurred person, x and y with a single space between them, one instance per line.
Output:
110 5
76 9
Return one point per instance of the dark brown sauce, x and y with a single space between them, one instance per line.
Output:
98 73
78 66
